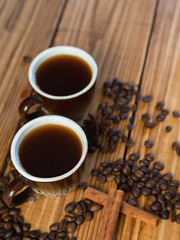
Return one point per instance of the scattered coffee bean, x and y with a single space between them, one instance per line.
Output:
156 190
101 178
172 216
146 191
175 145
70 207
95 207
27 59
95 171
160 105
147 98
167 176
124 187
134 156
151 200
144 163
71 227
168 196
160 117
165 111
158 165
126 170
146 117
89 215
175 114
168 128
178 218
132 202
169 206
150 157
130 143
139 173
136 192
54 227
155 207
82 206
148 144
153 173
164 214
177 205
150 124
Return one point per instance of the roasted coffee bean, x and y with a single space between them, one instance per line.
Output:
146 117
43 236
130 182
172 216
102 105
144 169
61 234
17 227
101 178
82 185
26 227
136 192
168 129
153 173
27 59
174 183
160 117
178 151
104 149
150 124
123 116
139 184
69 218
148 144
73 238
147 98
110 177
8 218
130 126
8 225
163 186
70 207
164 214
95 207
112 132
165 111
117 168
178 218
134 156
144 163
158 165
160 105
146 191
139 173
150 157
157 177
168 196
120 161
95 171
116 119
172 190
34 233
134 168
97 143
124 187
91 149
130 143
125 139
177 197
107 171
113 140
120 133
89 215
132 202
130 162
177 205
71 227
88 201
105 164
79 219
161 199
118 179
126 170
134 177
175 114
167 176
9 233
124 179
155 207
145 177
63 225
14 211
151 200
156 190
82 206
175 145
169 206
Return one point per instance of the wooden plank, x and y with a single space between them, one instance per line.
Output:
161 80
24 30
116 34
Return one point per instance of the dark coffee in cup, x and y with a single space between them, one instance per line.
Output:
50 150
63 75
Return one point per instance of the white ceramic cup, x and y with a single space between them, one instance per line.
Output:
72 106
53 186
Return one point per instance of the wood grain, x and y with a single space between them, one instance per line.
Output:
24 30
160 79
110 32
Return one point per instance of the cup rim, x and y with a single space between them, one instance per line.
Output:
62 50
40 121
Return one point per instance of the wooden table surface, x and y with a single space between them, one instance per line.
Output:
137 41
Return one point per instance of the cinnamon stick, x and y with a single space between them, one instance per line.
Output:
110 214
126 208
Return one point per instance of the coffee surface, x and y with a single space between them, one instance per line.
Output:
50 150
63 75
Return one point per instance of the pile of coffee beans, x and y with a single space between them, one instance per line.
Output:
13 227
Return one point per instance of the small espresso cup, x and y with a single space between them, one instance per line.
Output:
22 188
70 105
